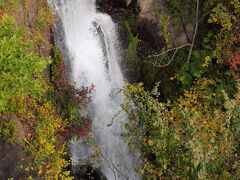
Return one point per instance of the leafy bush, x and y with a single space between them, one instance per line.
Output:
9 131
24 94
8 5
217 46
133 43
43 141
223 39
68 99
21 69
195 137
44 17
1 3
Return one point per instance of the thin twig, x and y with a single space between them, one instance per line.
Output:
112 166
161 66
179 47
172 49
195 32
203 16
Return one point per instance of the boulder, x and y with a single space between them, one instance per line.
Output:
149 31
117 3
180 33
12 157
146 9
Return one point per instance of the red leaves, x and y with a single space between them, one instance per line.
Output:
233 61
82 131
66 94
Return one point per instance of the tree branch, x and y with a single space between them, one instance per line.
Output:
161 66
195 32
182 46
169 50
112 166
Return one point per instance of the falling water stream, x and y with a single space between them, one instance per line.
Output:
92 44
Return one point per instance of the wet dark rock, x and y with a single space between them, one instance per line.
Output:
180 32
120 17
150 32
143 49
128 67
11 157
118 3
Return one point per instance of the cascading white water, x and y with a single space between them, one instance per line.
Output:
91 40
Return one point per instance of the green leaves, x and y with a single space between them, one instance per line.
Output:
190 138
132 47
195 136
9 130
18 64
2 3
220 15
193 70
6 26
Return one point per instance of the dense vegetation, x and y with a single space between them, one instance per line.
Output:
191 130
37 107
23 95
187 127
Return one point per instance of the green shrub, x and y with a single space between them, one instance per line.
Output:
133 43
1 3
44 18
20 67
9 130
195 137
8 5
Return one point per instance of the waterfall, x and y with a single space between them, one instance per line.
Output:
92 44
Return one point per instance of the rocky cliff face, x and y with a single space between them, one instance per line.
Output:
11 156
152 10
30 14
147 13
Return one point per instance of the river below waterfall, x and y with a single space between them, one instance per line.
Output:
92 44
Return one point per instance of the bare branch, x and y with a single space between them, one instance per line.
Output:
112 166
195 32
203 16
179 47
161 54
161 66
169 50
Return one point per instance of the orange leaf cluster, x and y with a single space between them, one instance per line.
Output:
233 61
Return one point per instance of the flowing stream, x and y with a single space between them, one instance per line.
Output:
92 46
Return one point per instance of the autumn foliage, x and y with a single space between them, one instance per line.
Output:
233 61
65 93
195 136
191 130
